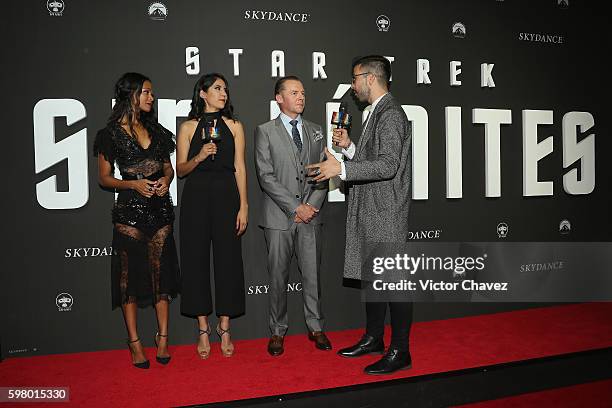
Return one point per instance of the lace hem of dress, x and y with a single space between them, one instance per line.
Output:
145 302
139 266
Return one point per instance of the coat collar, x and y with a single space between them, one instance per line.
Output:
386 100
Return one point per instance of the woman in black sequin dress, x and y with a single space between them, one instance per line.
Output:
144 269
214 210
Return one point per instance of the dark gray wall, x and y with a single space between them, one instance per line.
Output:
80 54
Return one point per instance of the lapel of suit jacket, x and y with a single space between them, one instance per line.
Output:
307 138
281 131
371 122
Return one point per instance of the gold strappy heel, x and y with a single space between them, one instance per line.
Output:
203 352
228 350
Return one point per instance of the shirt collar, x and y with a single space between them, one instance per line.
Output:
286 119
373 106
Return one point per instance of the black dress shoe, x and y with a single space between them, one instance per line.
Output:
366 345
392 361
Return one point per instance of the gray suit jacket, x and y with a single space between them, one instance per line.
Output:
379 177
281 174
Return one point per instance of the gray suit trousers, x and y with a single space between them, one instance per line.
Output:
304 241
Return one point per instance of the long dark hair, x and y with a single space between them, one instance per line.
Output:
197 103
127 94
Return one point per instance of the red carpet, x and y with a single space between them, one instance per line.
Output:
107 378
592 395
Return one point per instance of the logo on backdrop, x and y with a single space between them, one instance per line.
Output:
264 289
55 7
383 23
502 230
542 38
458 30
266 15
64 302
88 252
565 227
563 3
543 266
424 234
158 11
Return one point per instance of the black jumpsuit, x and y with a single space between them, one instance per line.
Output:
209 205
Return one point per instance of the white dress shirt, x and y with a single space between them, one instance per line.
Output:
286 119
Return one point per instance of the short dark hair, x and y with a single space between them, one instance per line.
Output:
377 65
280 84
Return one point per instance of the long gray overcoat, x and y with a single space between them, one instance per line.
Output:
379 177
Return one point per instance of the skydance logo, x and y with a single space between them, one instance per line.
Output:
266 15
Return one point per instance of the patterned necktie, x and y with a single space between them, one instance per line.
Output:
296 134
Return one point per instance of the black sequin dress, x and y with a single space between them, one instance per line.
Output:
144 268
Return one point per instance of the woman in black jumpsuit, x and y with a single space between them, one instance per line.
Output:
213 210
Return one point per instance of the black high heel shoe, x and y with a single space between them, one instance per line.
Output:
161 360
145 364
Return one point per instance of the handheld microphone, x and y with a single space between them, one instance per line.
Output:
341 119
212 134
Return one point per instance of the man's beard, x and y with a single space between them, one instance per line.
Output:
363 95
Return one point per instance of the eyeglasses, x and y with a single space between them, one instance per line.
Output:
354 77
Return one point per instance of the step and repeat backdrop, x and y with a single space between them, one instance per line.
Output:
506 99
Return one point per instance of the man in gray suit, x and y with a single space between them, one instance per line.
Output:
291 204
378 171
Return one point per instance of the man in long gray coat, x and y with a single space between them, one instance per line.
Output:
379 171
283 147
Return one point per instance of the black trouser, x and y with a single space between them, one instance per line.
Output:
401 320
209 206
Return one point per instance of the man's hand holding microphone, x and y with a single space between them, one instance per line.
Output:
341 138
341 121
